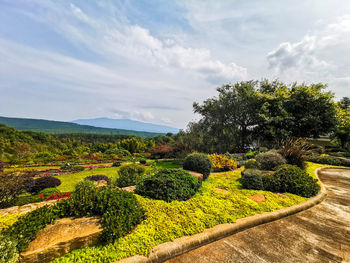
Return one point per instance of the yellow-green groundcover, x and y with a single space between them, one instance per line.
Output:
167 221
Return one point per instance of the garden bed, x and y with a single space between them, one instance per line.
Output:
167 221
220 200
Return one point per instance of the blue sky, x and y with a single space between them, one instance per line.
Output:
150 60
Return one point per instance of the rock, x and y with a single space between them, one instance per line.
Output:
195 174
62 237
129 188
281 195
222 191
258 198
101 183
25 208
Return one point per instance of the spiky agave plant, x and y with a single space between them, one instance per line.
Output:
294 150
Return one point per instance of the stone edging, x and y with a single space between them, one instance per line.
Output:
25 208
184 244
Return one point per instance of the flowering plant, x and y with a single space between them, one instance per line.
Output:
55 196
222 163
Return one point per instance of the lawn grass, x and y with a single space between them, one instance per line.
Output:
68 181
167 221
165 164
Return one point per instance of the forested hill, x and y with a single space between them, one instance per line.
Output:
59 127
18 146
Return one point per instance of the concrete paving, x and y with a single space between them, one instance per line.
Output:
319 234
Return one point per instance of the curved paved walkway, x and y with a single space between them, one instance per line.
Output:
319 234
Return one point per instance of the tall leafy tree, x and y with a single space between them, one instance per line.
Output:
230 117
263 112
342 130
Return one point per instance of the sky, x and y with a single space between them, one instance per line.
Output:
149 60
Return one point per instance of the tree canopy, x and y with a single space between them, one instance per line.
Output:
263 113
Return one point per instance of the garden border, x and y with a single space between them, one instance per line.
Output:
184 244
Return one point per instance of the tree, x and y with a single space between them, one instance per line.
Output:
344 103
342 131
231 116
133 145
311 110
263 113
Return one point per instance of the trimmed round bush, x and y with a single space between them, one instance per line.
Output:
198 162
45 182
130 174
98 177
251 164
270 160
291 179
252 180
27 182
169 185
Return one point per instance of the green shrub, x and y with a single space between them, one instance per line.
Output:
98 177
327 159
169 185
198 162
252 180
291 179
45 182
130 174
294 151
10 189
250 155
270 160
117 164
251 164
82 201
119 211
8 249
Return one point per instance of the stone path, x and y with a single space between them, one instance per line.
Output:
319 234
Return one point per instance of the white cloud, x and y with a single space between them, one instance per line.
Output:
137 43
320 56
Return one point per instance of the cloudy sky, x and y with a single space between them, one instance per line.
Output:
149 60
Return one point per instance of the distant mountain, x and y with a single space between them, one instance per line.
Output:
127 124
59 127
